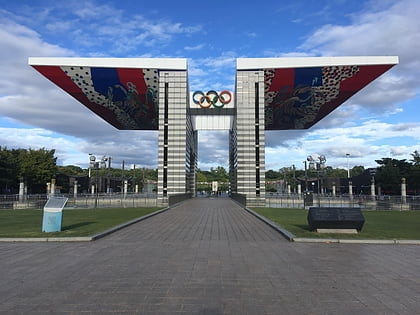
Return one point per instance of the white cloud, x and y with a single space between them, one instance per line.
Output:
89 26
195 47
213 149
365 143
29 98
389 30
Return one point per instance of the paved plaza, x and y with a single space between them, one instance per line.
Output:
207 256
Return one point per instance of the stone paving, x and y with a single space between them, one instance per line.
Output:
207 256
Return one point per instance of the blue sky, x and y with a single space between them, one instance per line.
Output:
380 121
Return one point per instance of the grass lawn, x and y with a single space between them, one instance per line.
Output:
76 222
398 225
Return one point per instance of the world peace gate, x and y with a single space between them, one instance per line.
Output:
270 94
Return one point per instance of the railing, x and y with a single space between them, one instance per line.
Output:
115 200
364 202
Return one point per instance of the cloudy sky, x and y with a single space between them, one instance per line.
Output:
383 120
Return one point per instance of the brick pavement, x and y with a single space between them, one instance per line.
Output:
207 256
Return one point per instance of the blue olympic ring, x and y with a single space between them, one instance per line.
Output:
218 100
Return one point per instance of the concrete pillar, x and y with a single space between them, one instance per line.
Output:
372 188
137 189
21 191
350 190
403 191
288 189
299 187
333 190
92 189
125 187
75 189
53 187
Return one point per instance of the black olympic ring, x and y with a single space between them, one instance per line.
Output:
211 98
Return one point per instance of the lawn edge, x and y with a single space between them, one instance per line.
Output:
83 238
292 238
287 235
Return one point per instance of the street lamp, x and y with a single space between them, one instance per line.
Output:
94 165
319 162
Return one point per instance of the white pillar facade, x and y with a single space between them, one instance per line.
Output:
177 156
249 129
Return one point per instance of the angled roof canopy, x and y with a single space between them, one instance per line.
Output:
298 92
123 91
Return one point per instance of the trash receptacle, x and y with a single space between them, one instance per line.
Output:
308 199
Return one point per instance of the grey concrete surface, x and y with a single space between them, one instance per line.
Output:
207 256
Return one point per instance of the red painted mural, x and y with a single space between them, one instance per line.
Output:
297 98
126 98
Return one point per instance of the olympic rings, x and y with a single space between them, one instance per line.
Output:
218 100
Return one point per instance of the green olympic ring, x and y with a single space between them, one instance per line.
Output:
212 98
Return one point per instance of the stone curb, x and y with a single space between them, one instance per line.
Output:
289 236
354 241
82 238
292 238
46 239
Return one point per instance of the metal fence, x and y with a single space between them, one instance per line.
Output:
119 200
364 202
115 200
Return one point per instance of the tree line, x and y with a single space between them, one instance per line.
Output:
37 167
34 167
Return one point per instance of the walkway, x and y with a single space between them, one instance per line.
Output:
208 256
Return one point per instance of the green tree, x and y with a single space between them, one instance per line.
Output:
201 177
36 168
335 172
272 175
357 170
70 170
416 158
390 173
8 171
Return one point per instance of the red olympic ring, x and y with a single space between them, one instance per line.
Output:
212 98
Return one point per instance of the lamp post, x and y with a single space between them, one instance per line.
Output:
319 163
94 165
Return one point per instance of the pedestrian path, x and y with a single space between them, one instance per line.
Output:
207 256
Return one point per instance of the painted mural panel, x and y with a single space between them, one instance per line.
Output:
297 98
126 98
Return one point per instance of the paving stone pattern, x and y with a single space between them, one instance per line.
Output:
207 256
